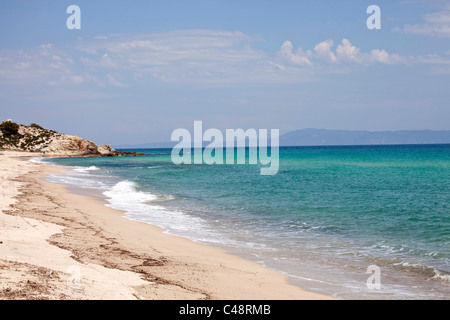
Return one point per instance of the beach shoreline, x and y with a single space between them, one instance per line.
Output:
59 245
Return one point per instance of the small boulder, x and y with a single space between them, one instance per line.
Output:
106 150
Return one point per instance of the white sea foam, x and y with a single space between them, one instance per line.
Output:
142 206
77 181
86 169
431 272
439 275
81 177
126 192
38 160
137 204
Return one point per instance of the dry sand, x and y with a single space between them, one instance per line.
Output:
58 245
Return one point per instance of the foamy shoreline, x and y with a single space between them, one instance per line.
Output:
49 232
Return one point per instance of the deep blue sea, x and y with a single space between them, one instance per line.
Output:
328 215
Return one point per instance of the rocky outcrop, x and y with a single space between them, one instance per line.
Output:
106 150
34 138
69 146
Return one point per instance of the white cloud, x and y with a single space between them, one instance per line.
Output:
206 57
434 59
298 58
382 56
345 54
112 79
44 65
186 55
435 24
323 51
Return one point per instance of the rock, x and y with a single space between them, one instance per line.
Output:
34 138
106 150
129 154
66 145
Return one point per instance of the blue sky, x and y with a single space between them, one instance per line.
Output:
137 70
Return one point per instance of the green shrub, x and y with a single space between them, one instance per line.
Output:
34 125
9 128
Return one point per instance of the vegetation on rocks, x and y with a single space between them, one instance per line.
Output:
9 128
26 138
34 138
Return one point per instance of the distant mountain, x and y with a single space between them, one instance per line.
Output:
151 145
322 137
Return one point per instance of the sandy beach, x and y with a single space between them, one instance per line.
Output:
59 245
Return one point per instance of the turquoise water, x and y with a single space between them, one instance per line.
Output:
329 213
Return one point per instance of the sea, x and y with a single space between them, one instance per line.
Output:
352 222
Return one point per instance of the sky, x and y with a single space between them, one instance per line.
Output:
137 70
